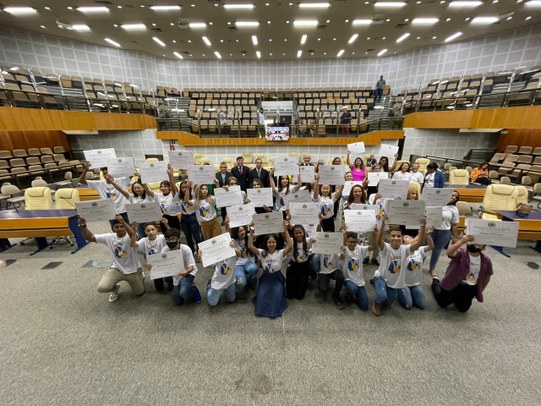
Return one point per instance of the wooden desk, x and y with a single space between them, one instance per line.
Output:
41 224
469 193
529 227
86 194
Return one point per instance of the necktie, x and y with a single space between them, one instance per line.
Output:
259 173
240 170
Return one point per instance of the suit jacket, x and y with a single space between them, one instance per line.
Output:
243 179
219 177
264 177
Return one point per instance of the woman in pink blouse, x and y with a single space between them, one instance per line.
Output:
358 170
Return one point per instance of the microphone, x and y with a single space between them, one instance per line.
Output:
67 200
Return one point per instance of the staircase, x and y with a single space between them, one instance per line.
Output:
379 114
174 113
496 97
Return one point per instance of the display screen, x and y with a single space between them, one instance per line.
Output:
277 133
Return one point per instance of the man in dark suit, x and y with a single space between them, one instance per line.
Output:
259 173
224 175
242 173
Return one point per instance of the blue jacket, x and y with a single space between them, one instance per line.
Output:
439 179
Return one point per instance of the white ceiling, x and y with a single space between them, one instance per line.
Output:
278 38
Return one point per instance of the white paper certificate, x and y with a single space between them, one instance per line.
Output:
375 177
304 213
118 167
307 174
165 264
284 166
260 197
201 174
389 151
231 196
436 196
268 223
328 243
360 221
153 171
331 174
498 233
181 159
216 249
393 189
144 212
405 212
302 196
361 206
434 216
240 215
356 148
98 157
96 210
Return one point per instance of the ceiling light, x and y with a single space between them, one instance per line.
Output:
382 52
270 39
303 39
353 38
193 5
174 41
238 6
425 21
179 56
96 9
129 27
340 53
533 3
20 11
305 23
484 20
453 37
362 22
254 39
247 23
110 41
47 8
218 55
527 18
80 27
465 4
314 5
258 54
402 37
389 4
42 26
206 41
164 8
197 25
299 53
268 22
158 41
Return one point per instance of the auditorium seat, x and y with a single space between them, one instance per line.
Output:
20 153
459 177
537 151
65 199
38 198
511 149
6 154
497 197
15 195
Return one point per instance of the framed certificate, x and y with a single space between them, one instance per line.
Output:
98 158
216 249
240 215
405 212
328 243
201 174
498 233
268 223
260 197
96 210
230 196
181 159
153 171
165 264
331 175
304 213
144 212
118 167
393 189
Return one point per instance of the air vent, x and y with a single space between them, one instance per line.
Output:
401 25
322 26
104 2
369 49
232 27
156 29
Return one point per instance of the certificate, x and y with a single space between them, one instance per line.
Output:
302 196
144 212
240 215
260 197
393 189
405 212
328 243
201 174
181 159
153 171
268 223
434 216
230 196
356 148
96 210
331 175
388 151
165 264
284 166
375 177
307 174
360 220
304 213
498 233
118 167
216 249
98 157
361 206
436 196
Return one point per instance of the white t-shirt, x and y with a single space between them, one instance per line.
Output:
429 180
352 265
187 258
280 204
138 199
169 204
205 210
271 262
245 255
329 263
224 274
302 255
450 216
475 268
417 177
124 256
185 208
107 191
326 205
414 273
392 264
151 247
310 230
402 176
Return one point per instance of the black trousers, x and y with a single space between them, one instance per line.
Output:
462 296
172 221
328 225
323 281
297 279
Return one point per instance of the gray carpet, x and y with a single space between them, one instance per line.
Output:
63 343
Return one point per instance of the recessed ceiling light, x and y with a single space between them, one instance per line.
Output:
20 11
285 39
447 19
179 56
172 24
110 41
236 40
299 53
47 8
384 38
254 39
418 38
174 41
305 23
527 18
96 9
319 39
118 6
382 52
389 4
137 26
388 20
267 4
403 37
353 38
453 37
218 55
246 6
164 8
465 4
362 21
206 41
340 53
283 53
154 24
287 22
247 23
193 5
484 20
328 21
270 39
42 26
258 54
190 41
270 53
334 39
353 53
268 22
158 41
314 5
434 37
425 21
347 21
324 53
368 38
197 25
204 55
221 40
303 39
406 20
80 27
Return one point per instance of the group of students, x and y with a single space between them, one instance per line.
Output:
258 261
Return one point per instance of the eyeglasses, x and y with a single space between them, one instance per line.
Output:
172 240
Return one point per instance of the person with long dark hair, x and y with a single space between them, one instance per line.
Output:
188 221
298 269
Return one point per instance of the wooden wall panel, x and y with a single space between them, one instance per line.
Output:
519 137
32 139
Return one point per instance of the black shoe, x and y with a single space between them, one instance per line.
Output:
372 281
339 304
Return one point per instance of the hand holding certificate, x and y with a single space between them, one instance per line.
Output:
260 197
434 216
144 212
98 158
356 148
165 264
181 159
96 210
307 173
498 233
388 151
268 223
375 177
328 243
201 174
216 249
118 167
302 196
228 196
153 171
404 212
304 213
241 215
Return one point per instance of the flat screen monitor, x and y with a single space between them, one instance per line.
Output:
277 133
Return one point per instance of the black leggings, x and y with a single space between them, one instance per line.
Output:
324 279
297 279
462 296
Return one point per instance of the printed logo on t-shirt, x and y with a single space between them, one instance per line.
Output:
327 262
325 211
412 264
472 277
267 266
224 269
204 212
353 265
394 266
119 252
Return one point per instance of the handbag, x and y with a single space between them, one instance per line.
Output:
523 209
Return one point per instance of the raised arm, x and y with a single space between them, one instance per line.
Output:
82 178
87 234
393 168
298 185
131 232
272 184
251 246
148 190
420 237
287 238
316 187
430 242
379 236
109 179
348 161
172 180
453 248
338 193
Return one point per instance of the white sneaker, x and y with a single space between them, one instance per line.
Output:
113 296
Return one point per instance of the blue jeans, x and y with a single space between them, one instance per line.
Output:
241 271
315 263
360 294
213 295
184 290
192 231
441 239
385 296
412 296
